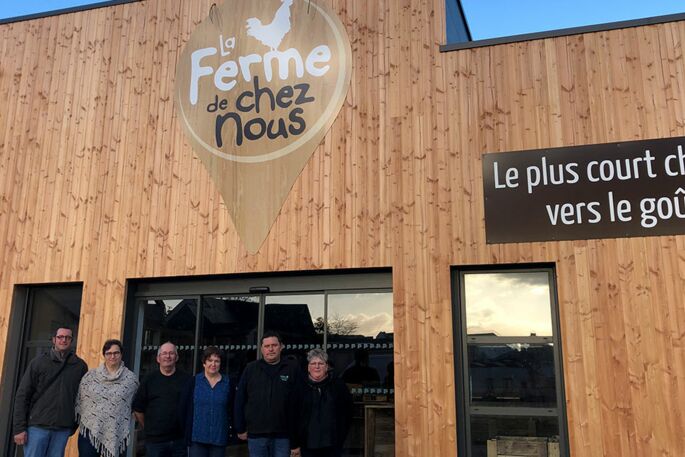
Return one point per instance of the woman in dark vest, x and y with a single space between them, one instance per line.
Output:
326 409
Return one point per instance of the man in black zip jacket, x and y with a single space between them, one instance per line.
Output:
44 404
265 402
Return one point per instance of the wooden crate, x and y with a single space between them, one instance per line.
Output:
522 446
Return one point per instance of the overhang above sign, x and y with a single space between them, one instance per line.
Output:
257 87
612 190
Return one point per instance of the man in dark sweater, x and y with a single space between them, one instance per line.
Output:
44 404
155 406
265 402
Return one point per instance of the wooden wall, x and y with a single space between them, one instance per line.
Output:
97 184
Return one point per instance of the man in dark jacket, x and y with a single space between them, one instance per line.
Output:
265 402
44 404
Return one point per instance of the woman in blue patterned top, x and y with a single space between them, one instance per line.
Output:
205 408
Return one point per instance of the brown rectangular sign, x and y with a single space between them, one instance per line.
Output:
614 190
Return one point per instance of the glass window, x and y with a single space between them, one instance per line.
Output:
298 318
40 311
509 377
49 307
474 20
360 346
170 319
230 323
360 339
508 304
354 325
512 375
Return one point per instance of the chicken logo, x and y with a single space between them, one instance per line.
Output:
271 34
258 85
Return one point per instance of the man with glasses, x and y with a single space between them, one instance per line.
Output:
155 406
44 405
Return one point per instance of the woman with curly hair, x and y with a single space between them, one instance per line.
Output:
325 410
205 408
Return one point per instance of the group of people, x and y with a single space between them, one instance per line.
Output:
277 409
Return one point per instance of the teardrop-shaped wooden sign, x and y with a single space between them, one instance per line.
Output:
258 85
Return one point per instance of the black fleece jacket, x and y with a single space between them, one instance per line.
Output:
265 401
324 413
54 408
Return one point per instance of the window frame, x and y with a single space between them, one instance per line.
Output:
139 305
454 9
465 411
325 282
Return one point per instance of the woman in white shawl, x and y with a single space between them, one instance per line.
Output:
103 405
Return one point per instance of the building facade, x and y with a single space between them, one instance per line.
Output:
100 191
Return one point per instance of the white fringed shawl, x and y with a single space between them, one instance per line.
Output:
103 408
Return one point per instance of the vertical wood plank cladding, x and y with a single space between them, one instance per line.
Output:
98 184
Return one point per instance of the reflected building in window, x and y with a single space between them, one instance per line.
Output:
510 378
354 326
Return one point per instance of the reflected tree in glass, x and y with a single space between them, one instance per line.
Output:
360 346
295 318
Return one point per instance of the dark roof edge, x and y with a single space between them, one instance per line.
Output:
563 32
72 9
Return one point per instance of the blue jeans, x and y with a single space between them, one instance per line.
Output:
46 443
206 450
268 447
166 449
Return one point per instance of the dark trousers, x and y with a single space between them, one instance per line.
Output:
205 450
166 449
86 449
268 447
323 452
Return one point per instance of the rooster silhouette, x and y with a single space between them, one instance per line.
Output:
271 34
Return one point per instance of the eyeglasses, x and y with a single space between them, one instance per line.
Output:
167 354
64 337
317 364
113 354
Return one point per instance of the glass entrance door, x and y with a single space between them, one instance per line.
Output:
43 309
230 322
352 323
